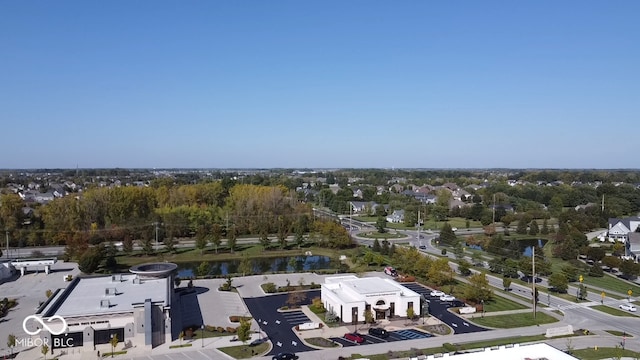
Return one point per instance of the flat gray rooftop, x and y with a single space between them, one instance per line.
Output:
86 298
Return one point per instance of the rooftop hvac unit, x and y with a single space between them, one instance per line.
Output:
104 304
110 291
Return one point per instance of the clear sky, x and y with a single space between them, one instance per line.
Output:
544 84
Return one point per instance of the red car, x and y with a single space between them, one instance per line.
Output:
355 337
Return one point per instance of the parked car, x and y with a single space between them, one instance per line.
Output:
422 247
437 293
379 332
457 303
390 271
447 298
285 356
355 337
628 307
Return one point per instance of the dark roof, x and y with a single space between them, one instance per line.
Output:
626 221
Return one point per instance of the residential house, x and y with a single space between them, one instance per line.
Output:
632 246
451 186
619 229
585 206
363 207
380 190
474 187
397 188
44 198
334 188
453 203
396 217
357 193
461 194
506 207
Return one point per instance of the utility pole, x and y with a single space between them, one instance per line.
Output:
533 279
350 217
494 210
419 240
156 224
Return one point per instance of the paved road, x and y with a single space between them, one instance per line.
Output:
278 325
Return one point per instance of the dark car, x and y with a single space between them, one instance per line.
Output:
379 332
355 337
285 356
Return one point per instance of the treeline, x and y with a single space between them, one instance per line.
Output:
108 214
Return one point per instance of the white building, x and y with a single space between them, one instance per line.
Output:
515 352
349 297
134 307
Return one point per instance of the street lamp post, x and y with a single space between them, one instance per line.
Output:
111 343
202 328
425 310
482 302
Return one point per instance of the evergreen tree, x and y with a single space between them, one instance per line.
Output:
545 227
533 228
522 226
376 246
447 236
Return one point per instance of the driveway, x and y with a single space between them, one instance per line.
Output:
278 325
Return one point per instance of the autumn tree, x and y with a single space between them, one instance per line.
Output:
201 238
232 237
216 236
558 282
440 273
479 289
244 330
295 298
284 228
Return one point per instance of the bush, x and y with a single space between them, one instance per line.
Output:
443 252
231 330
210 328
236 319
220 329
269 288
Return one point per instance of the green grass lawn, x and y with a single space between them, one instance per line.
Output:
245 351
514 320
498 303
611 283
377 235
618 333
251 250
613 311
604 353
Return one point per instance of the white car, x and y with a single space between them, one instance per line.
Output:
437 293
628 307
447 298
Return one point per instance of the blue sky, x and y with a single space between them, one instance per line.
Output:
544 84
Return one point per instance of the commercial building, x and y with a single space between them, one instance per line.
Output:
349 297
134 307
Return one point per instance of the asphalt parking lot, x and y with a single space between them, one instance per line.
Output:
399 335
278 325
439 309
